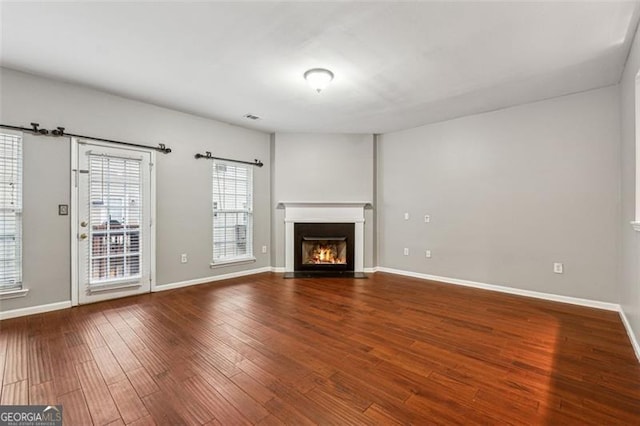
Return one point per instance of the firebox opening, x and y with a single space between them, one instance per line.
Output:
324 251
323 247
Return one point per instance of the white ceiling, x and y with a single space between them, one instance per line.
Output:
397 65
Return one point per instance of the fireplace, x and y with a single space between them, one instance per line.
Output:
334 227
324 247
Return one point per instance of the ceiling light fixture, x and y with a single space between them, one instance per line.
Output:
318 78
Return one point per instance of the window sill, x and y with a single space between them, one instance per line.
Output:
12 294
635 225
233 262
121 285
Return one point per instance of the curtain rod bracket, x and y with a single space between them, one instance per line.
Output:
35 129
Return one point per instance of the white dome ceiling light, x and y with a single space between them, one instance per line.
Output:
318 78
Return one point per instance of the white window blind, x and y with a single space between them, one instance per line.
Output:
115 216
232 211
11 212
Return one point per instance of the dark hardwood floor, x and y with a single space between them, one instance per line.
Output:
265 350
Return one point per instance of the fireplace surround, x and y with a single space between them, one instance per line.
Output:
351 213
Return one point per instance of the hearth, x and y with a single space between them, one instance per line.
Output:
324 247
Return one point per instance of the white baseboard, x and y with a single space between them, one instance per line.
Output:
529 293
631 334
205 280
32 310
370 270
63 305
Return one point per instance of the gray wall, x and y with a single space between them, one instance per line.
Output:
46 250
630 280
183 184
322 167
509 193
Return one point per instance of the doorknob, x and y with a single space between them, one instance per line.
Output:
83 224
83 236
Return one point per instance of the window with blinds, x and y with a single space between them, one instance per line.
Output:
11 212
115 216
232 211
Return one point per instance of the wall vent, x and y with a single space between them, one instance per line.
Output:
251 117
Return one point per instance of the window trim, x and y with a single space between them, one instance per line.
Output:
243 259
234 261
14 293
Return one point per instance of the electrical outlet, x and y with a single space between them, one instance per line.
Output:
406 216
558 268
427 254
183 258
427 218
264 249
406 251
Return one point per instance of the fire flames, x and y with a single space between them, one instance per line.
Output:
325 254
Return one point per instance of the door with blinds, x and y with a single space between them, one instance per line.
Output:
114 222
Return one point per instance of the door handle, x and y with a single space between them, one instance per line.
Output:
83 236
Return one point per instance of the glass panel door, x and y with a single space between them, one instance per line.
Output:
114 198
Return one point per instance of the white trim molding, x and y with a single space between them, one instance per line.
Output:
341 204
510 290
12 294
233 262
32 310
206 280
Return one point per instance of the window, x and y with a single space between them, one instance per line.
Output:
115 214
11 212
232 212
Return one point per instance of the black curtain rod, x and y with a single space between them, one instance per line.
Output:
59 131
208 156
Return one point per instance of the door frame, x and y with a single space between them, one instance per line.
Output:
74 212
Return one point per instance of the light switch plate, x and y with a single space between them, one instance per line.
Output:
63 209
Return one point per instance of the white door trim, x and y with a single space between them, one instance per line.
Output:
75 284
74 222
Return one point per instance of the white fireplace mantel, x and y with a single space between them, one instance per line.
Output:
324 212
